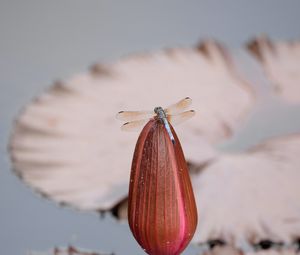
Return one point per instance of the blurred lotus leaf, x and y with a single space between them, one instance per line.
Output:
281 63
67 145
251 196
71 250
229 250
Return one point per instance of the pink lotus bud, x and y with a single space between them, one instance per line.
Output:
162 212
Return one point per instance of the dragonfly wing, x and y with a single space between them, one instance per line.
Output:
179 106
181 117
134 115
134 125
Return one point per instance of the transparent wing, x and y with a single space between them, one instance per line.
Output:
134 125
181 117
134 115
179 106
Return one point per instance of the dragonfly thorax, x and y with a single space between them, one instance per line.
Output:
160 113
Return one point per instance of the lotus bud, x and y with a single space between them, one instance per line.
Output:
162 213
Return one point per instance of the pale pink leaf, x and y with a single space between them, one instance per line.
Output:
251 196
67 144
281 62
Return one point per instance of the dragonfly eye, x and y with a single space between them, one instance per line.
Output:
158 109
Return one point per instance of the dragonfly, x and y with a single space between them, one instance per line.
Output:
174 114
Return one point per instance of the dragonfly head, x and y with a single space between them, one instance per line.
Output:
160 112
158 109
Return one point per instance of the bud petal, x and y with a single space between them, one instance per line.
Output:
162 212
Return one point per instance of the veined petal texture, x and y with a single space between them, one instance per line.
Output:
162 212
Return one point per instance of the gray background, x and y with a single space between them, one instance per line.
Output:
41 41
